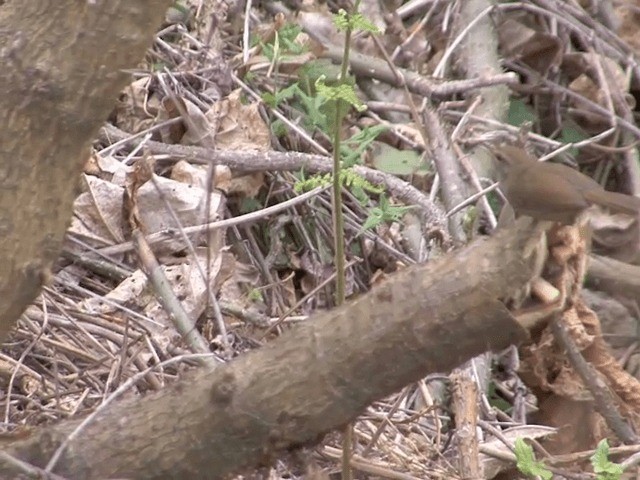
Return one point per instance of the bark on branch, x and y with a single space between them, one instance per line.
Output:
311 380
61 72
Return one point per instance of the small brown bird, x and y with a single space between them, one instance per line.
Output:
551 191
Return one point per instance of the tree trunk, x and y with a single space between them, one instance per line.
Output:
61 72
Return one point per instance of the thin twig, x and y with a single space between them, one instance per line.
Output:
603 399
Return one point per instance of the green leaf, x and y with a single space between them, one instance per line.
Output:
341 20
366 135
352 180
249 205
288 36
496 400
396 162
341 91
520 113
279 128
527 463
356 21
604 468
384 212
270 49
360 22
311 71
274 99
158 66
178 13
352 149
360 194
306 184
255 295
284 45
314 107
373 220
572 133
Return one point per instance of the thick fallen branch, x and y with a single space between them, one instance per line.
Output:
308 382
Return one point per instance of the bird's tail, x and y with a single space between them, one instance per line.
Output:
617 202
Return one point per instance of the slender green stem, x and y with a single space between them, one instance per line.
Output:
338 227
338 220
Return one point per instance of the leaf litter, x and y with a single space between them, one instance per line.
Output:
99 323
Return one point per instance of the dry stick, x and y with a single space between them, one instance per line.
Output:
376 330
472 199
244 314
565 13
444 61
608 94
632 166
577 457
464 393
371 67
475 181
417 30
385 421
222 329
494 125
595 107
603 399
414 7
112 303
104 268
116 145
93 326
613 276
318 287
293 126
476 50
30 470
630 462
366 466
453 188
474 30
169 234
248 161
476 53
110 399
511 458
123 270
356 228
440 145
496 432
246 32
264 265
23 355
169 301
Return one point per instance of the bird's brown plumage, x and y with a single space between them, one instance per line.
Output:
551 191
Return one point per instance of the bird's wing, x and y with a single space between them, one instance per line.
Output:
545 190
